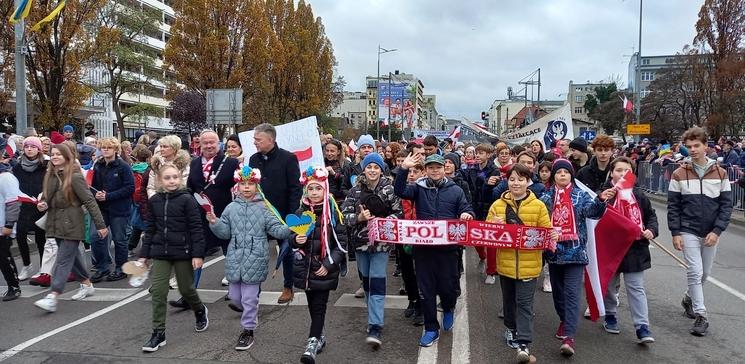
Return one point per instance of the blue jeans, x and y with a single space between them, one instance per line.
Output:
100 247
372 267
566 288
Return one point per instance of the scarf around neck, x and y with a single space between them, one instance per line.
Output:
29 165
563 213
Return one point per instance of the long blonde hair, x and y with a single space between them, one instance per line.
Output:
68 169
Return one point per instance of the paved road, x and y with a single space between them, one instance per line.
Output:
122 324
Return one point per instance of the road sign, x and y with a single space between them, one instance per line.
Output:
225 106
638 129
588 135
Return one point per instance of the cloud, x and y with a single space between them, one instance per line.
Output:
468 52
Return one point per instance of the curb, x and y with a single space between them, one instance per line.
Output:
737 219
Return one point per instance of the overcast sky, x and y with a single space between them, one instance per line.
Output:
468 52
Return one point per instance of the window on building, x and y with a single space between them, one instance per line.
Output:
579 98
578 89
647 76
579 110
645 61
644 93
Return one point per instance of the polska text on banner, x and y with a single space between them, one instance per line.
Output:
452 232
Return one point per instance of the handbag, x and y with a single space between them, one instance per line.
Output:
42 222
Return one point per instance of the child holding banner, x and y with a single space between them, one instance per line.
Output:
247 221
569 206
519 268
435 198
634 204
319 253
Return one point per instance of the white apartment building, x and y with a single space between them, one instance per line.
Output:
353 109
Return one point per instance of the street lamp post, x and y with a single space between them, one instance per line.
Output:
377 88
637 89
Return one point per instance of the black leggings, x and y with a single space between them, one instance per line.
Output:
7 264
22 239
317 302
408 274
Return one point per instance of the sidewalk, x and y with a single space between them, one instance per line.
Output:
738 216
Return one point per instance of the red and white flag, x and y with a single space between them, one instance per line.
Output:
608 240
628 106
24 198
351 148
455 134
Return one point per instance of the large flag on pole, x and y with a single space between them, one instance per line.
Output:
608 240
21 12
628 106
455 134
49 17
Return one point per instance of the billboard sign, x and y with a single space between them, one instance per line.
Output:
397 104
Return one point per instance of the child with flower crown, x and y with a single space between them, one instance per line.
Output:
247 221
319 254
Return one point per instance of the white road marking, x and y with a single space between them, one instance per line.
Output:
727 288
391 302
20 347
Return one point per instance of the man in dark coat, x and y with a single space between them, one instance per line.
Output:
280 182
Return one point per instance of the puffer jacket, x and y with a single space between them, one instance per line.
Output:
246 224
520 263
536 187
174 227
66 219
637 258
699 205
351 208
30 182
585 207
308 256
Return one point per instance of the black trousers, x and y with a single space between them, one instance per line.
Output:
7 264
134 238
408 274
317 302
22 238
437 275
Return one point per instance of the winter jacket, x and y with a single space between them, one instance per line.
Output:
351 171
9 195
247 224
638 259
308 256
445 201
280 178
387 205
592 176
477 178
520 263
181 162
461 182
174 227
66 219
336 180
730 159
535 186
585 207
116 179
699 205
30 182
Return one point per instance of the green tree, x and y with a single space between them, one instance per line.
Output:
122 53
610 113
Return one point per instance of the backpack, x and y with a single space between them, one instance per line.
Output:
138 187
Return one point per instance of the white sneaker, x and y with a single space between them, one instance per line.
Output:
490 279
25 272
225 282
172 283
83 292
48 303
546 285
587 313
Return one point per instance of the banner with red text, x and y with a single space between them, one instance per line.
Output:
451 232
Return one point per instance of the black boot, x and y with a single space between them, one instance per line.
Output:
179 303
203 322
12 294
157 340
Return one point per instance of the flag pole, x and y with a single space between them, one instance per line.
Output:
671 254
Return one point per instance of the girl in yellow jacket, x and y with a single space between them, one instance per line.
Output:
519 269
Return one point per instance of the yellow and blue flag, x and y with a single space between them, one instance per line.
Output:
49 17
21 13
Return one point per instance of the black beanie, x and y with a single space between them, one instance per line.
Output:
579 143
455 158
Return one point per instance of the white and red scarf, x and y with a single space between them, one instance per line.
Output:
207 169
626 202
563 213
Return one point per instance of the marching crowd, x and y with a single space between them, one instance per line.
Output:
142 197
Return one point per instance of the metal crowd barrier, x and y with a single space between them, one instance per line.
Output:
655 178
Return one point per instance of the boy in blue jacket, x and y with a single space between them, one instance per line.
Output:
435 197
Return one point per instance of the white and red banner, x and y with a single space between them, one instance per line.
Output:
299 137
461 232
608 240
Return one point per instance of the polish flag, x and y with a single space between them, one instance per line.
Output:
303 155
351 148
24 198
628 106
608 240
481 126
455 134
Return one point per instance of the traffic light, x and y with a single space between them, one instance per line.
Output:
483 115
